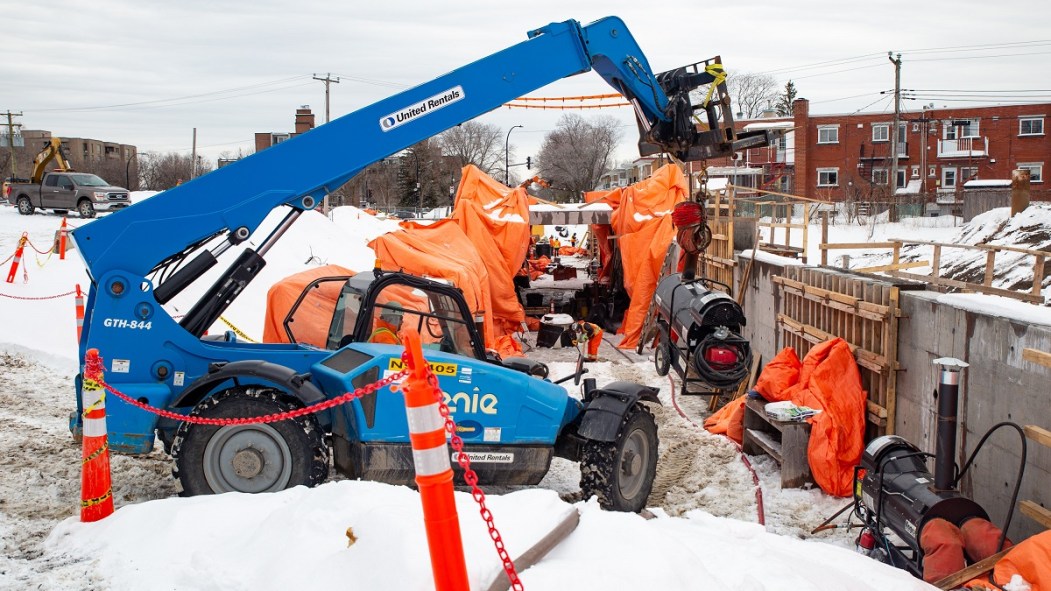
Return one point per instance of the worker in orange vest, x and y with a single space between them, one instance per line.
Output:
388 323
592 335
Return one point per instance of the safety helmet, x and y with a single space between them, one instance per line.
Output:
392 314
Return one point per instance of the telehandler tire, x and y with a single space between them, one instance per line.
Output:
621 473
249 458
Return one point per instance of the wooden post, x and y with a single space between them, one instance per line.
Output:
824 238
806 225
1038 274
936 262
1019 190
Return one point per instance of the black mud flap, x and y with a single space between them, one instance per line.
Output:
607 406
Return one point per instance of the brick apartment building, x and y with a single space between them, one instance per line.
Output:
115 162
304 123
843 157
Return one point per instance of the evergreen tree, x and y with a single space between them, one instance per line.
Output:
784 102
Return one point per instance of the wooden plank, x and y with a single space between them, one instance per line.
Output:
1038 274
1035 512
990 262
538 550
936 262
892 267
892 357
764 441
1025 297
962 576
1039 435
1036 356
856 245
824 238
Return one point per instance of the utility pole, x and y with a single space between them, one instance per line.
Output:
11 125
894 136
328 79
193 158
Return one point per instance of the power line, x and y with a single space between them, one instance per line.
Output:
978 57
181 98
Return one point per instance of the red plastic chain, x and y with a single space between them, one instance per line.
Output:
52 297
93 372
471 478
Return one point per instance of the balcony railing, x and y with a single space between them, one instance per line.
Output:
963 148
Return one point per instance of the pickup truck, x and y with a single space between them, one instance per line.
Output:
65 191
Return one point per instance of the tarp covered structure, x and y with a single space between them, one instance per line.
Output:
641 221
827 379
479 249
314 317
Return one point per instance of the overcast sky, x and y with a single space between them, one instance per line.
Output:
147 72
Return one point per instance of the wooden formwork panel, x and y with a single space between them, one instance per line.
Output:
818 305
717 261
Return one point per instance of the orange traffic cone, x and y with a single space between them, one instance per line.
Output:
18 257
78 303
96 492
434 474
62 240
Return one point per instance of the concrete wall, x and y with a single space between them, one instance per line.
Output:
999 385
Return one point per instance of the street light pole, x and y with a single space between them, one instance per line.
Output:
419 195
507 165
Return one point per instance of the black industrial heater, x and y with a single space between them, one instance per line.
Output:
698 329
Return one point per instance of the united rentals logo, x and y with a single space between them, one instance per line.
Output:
424 107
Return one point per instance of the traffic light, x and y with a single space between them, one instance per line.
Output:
529 162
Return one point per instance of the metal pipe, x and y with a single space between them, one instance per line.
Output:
948 402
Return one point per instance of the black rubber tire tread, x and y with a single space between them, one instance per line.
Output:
25 206
303 436
598 464
85 206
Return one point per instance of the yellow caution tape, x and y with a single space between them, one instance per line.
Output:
91 386
719 73
237 331
97 500
98 452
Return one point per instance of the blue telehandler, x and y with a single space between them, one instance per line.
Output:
512 418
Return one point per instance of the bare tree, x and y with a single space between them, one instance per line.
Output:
160 172
752 93
474 143
577 153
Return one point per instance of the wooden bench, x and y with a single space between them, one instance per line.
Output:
785 441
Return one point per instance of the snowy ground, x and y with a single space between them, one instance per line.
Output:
704 534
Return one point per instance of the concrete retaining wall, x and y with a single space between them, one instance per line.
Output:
999 385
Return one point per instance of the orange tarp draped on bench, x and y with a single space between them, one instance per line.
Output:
828 380
312 321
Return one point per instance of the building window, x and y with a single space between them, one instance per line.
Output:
1036 171
968 173
901 178
1031 126
828 177
828 134
880 176
277 138
961 128
881 132
948 177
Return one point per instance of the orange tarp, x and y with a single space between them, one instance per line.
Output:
1030 558
496 220
643 225
827 380
314 318
428 251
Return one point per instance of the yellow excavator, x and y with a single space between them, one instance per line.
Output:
52 151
